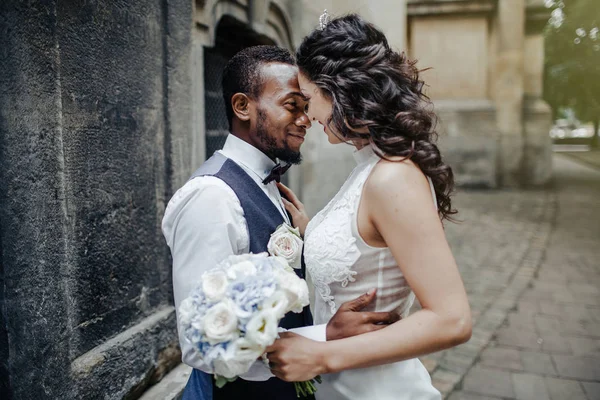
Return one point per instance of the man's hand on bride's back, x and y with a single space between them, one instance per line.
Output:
294 207
349 320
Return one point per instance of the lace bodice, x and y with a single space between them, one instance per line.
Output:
341 265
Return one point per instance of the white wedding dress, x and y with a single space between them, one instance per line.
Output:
342 267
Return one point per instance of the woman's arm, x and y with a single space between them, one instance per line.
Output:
399 205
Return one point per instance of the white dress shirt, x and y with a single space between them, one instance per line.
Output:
204 224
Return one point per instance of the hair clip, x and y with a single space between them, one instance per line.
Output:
323 20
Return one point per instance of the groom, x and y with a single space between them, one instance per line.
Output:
231 205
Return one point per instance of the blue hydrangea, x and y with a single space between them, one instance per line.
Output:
248 293
211 352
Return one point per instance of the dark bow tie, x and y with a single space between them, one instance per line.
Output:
276 172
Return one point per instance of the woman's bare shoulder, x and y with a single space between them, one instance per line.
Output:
396 175
398 193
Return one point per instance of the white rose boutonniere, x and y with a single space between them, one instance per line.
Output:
286 242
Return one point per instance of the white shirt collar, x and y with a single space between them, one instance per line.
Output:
363 155
244 153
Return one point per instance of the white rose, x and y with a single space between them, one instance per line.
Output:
261 330
241 269
214 285
294 288
278 302
304 295
220 322
243 348
282 263
237 359
301 291
285 242
186 312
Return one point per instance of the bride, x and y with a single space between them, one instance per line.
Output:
383 230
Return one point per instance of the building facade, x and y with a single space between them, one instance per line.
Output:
486 59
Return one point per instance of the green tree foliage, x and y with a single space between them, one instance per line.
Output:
572 64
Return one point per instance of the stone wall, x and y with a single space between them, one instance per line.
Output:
456 51
468 140
92 94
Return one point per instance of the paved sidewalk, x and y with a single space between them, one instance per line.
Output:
591 158
531 265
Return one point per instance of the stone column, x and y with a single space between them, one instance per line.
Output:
509 90
537 114
257 14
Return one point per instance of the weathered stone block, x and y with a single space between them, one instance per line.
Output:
499 357
578 367
143 354
592 389
468 141
537 164
537 363
171 386
564 389
529 386
489 381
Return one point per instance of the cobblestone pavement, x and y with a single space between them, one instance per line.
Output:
530 263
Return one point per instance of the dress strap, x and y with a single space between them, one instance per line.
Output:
433 192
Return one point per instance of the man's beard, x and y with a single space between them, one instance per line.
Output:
270 144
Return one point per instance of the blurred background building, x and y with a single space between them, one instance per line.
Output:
106 108
486 61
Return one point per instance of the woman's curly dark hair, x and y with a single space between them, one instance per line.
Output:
372 86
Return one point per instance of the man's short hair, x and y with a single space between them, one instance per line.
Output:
242 72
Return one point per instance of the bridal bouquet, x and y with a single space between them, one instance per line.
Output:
232 316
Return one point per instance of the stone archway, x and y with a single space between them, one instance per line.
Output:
221 28
231 37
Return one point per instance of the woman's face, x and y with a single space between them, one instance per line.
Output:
319 107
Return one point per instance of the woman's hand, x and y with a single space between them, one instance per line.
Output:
294 358
295 208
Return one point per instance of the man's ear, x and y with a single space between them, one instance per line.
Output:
241 105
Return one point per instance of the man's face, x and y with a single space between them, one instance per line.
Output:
279 122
